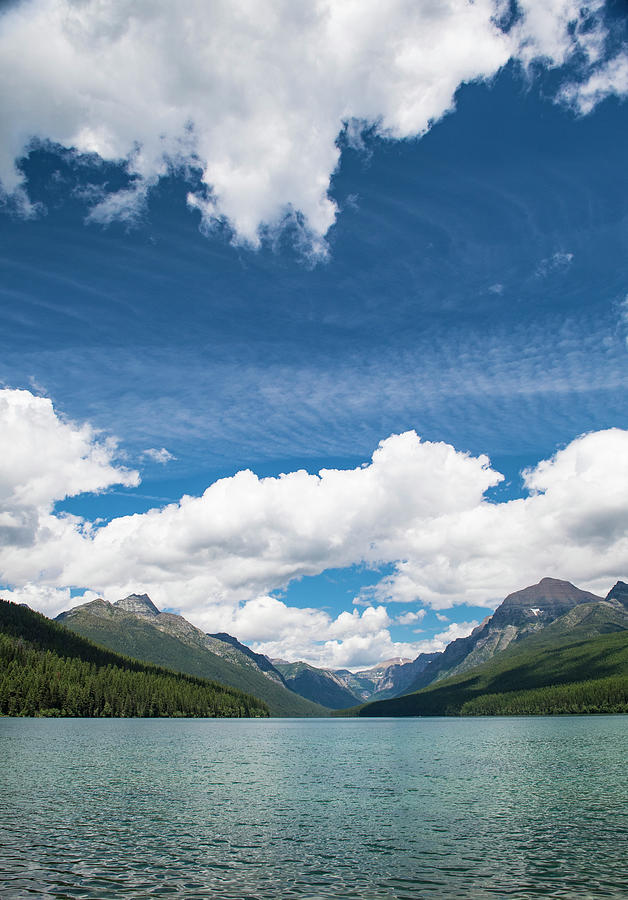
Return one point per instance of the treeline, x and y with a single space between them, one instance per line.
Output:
602 695
83 679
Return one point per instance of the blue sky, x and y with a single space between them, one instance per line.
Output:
473 289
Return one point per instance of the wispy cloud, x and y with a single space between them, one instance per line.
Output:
409 618
467 386
559 261
608 78
161 456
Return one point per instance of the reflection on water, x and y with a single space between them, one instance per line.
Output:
406 808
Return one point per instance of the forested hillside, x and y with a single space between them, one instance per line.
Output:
45 669
546 673
133 628
603 695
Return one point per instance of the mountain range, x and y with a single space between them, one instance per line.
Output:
47 670
577 662
134 626
522 613
550 647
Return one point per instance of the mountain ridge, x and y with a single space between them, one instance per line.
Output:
49 670
169 639
521 612
576 663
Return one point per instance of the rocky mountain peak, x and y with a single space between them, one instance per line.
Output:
546 600
97 607
619 592
139 605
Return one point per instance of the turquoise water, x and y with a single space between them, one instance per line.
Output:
404 808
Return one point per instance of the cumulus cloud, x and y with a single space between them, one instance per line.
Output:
351 640
252 97
418 506
438 643
43 459
454 631
46 599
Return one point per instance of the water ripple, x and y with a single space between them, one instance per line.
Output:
314 809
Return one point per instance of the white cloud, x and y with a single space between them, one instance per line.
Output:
610 78
417 505
43 459
442 618
409 618
253 96
454 631
45 599
553 29
161 456
350 640
438 643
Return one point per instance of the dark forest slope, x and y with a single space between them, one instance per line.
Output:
45 669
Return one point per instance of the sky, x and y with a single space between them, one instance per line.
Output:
313 316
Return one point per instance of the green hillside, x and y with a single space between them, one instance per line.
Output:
555 670
603 695
137 637
45 669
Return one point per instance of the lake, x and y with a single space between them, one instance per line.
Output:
314 808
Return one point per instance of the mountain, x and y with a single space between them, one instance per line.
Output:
225 644
390 680
320 685
135 627
340 688
619 594
578 662
139 605
46 669
521 613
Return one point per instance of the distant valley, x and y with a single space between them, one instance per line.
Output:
134 626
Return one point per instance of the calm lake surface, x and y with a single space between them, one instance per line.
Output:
386 808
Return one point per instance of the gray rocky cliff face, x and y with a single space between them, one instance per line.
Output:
257 659
397 677
139 605
619 593
520 613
